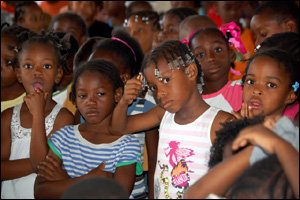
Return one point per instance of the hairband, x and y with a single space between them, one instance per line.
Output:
122 41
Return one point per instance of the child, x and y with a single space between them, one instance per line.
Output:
223 174
26 126
274 17
144 27
29 15
271 83
70 23
182 150
289 42
216 56
80 149
12 91
171 20
191 24
231 11
126 54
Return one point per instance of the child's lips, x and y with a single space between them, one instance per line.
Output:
255 104
38 86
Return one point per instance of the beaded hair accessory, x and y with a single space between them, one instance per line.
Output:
177 63
295 86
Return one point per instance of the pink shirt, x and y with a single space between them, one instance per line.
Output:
229 98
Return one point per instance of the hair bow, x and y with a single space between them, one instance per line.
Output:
233 32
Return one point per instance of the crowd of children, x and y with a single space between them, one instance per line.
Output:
103 99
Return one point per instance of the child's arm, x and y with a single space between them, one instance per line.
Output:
151 139
122 124
273 144
11 169
219 179
52 180
125 175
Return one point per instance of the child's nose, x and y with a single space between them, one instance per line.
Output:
257 91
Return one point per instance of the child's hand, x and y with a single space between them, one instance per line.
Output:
257 135
131 90
51 170
36 102
99 171
245 112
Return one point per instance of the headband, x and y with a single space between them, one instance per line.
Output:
122 41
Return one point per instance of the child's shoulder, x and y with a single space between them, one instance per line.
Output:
64 115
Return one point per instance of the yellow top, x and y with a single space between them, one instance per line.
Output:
12 103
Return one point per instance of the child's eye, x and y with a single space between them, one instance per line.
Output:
81 96
200 55
218 49
165 80
250 82
271 85
27 66
9 62
47 66
100 94
152 88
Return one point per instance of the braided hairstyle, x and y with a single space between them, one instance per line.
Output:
61 46
146 16
98 66
170 51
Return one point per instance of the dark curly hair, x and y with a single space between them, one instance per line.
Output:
227 134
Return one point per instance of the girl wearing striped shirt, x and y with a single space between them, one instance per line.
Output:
89 149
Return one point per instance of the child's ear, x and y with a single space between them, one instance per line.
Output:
290 26
291 97
59 75
191 71
118 94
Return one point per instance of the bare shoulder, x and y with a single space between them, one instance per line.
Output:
221 118
64 117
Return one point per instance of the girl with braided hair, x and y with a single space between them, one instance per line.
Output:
187 124
26 126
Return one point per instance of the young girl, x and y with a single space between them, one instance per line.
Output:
126 54
171 71
144 27
26 126
271 83
12 91
29 15
215 55
80 149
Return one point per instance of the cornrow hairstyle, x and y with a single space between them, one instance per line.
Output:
13 32
181 12
228 132
132 60
61 46
85 50
100 66
147 16
281 11
285 60
20 9
263 180
73 17
170 51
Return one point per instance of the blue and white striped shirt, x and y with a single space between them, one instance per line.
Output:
80 156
